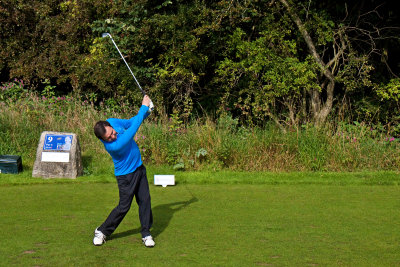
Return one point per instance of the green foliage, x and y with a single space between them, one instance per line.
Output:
201 154
355 140
175 123
48 91
322 27
313 148
390 91
12 91
194 58
163 50
269 72
355 75
200 144
227 123
47 40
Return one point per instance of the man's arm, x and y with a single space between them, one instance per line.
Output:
128 123
145 102
135 122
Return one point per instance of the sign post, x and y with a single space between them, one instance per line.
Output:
58 156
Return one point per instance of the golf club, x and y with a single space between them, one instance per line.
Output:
106 34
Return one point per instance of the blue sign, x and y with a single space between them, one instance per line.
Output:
57 142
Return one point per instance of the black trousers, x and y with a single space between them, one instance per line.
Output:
131 185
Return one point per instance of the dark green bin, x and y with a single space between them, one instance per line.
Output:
10 164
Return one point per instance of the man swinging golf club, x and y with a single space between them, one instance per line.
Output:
117 137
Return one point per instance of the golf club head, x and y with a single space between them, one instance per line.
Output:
106 34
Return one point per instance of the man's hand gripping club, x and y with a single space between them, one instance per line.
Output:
147 102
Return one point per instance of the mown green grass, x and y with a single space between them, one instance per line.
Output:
225 177
308 223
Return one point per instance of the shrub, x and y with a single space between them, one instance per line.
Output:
199 144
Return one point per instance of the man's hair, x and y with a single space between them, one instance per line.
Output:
100 128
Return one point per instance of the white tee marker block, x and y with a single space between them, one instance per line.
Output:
164 180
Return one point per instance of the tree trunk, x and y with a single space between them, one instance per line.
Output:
319 113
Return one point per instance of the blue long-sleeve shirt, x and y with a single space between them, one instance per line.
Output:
124 150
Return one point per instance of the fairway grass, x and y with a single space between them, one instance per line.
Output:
224 177
204 225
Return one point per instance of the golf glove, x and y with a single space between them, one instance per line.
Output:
151 106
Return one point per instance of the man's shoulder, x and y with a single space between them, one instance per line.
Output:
111 120
115 122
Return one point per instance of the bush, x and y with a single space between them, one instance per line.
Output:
313 148
11 91
200 144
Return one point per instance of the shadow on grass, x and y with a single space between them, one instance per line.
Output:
125 234
162 214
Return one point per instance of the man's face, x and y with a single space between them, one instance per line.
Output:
110 135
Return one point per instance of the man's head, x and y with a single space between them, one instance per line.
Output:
104 131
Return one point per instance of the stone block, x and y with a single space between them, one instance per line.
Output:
58 155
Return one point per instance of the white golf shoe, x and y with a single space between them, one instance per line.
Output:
148 241
99 238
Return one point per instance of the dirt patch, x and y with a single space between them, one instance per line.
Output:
264 264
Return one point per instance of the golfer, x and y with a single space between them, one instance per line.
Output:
117 137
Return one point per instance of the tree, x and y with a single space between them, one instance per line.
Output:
45 40
288 61
343 64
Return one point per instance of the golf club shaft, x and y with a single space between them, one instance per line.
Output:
143 92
